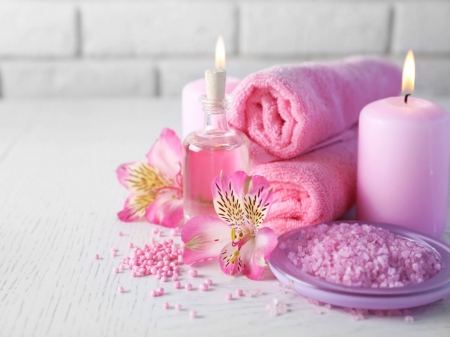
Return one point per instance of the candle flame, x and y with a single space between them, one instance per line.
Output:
409 74
220 53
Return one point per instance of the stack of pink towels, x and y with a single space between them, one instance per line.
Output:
302 121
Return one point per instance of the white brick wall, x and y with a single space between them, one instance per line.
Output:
110 48
25 79
34 30
314 28
423 27
156 28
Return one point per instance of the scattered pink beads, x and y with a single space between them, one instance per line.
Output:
155 258
193 273
96 256
193 314
178 307
155 230
239 292
116 270
229 297
177 285
208 282
160 291
203 287
119 233
120 289
153 293
131 245
188 287
166 305
361 256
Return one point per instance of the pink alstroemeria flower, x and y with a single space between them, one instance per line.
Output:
236 237
156 186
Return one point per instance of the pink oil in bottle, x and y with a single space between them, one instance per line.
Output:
208 152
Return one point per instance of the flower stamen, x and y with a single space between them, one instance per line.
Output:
234 257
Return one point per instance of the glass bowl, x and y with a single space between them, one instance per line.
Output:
407 296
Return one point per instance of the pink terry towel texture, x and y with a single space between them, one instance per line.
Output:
314 187
288 109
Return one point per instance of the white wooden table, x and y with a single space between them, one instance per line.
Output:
58 203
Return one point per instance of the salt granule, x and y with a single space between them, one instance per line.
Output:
361 256
409 319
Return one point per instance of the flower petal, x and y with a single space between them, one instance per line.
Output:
165 210
166 154
203 236
135 207
230 260
257 201
256 252
226 201
140 178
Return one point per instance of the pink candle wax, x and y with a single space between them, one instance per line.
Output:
192 113
403 164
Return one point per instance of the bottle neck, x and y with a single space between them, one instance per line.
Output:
215 113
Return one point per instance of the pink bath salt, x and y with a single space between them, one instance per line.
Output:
116 270
193 273
229 297
164 278
96 256
208 282
178 307
239 292
131 245
153 293
160 290
193 314
166 305
177 285
409 319
361 256
119 233
120 289
155 230
188 287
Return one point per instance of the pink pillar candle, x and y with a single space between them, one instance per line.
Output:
192 113
403 164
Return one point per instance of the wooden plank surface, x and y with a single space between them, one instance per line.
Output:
58 203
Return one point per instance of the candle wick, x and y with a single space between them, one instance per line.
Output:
406 98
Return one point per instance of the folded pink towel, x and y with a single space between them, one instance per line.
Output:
314 187
289 109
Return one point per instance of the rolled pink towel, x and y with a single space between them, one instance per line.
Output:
289 109
314 187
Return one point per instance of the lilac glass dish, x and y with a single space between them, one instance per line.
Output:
407 296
